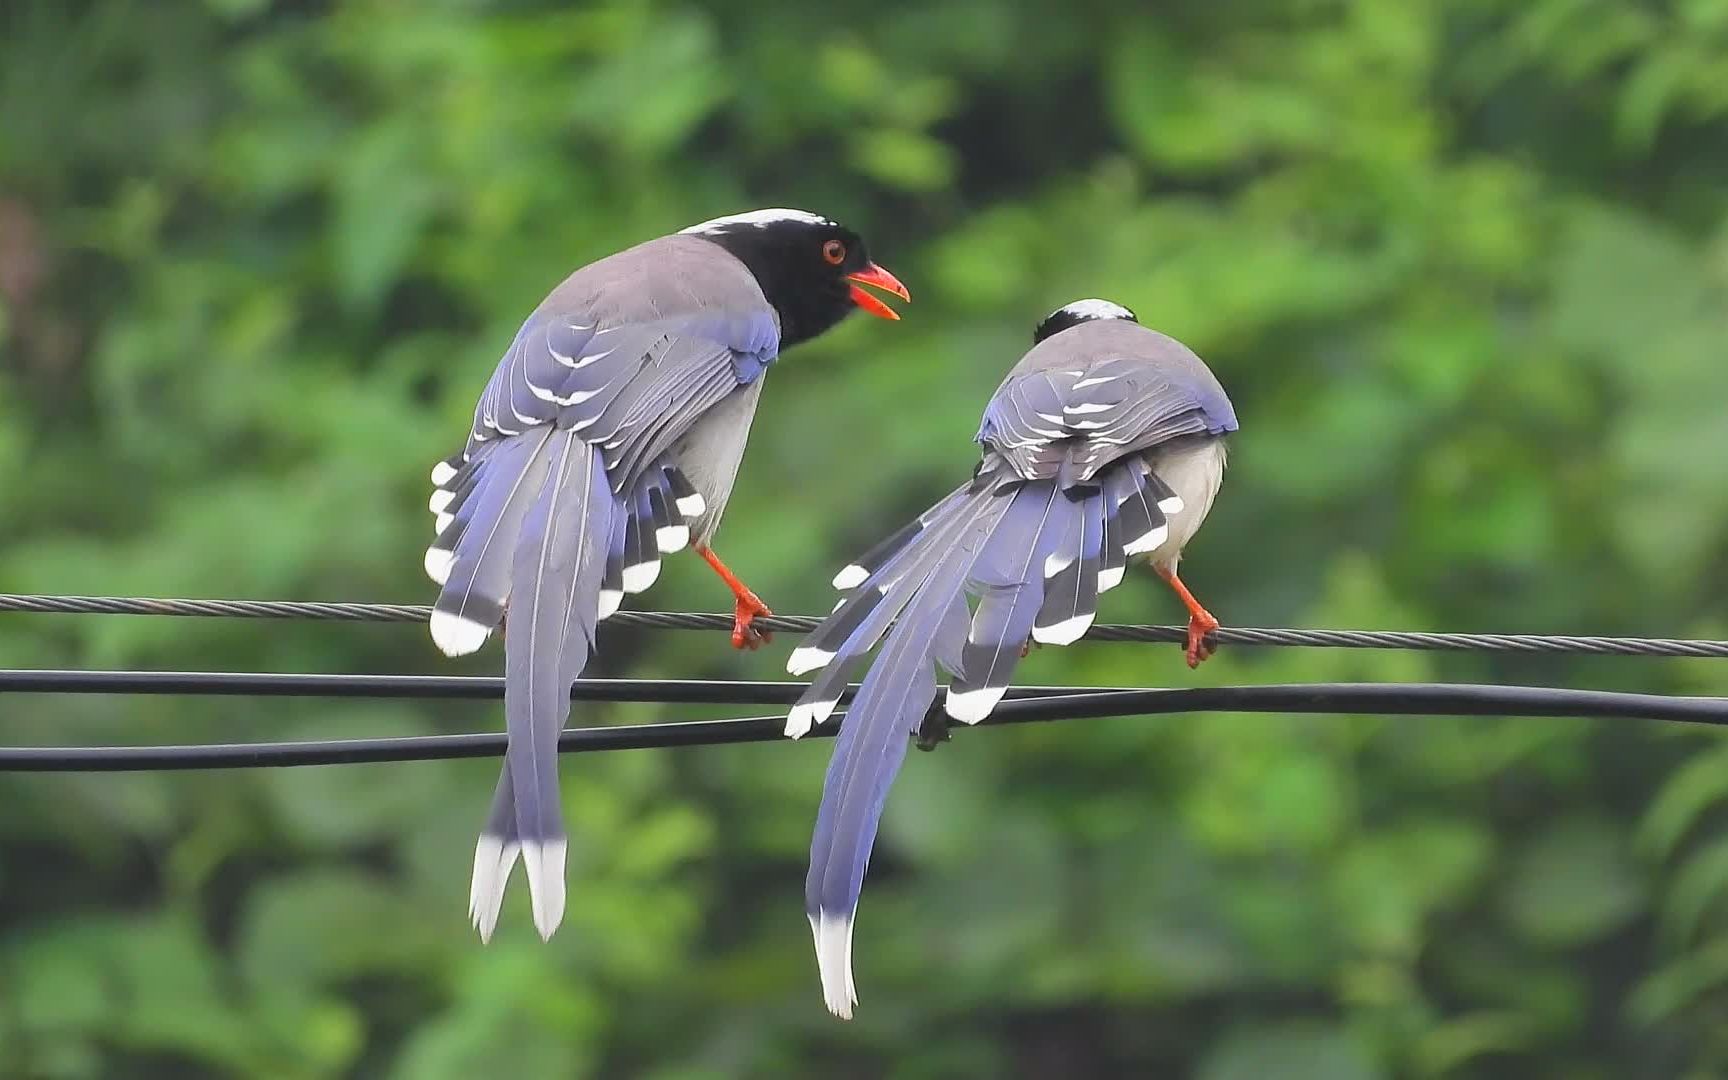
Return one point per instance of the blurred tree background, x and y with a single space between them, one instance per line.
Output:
1462 265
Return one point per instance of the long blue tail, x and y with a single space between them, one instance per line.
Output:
531 523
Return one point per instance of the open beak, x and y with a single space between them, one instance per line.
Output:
881 279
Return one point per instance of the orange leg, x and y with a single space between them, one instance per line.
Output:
747 605
1200 621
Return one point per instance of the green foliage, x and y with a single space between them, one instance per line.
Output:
1462 266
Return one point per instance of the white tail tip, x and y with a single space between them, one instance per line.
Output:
1146 543
971 706
691 505
442 472
610 601
438 564
544 861
850 577
1109 579
1066 632
807 658
1172 505
637 578
455 635
670 538
833 934
493 860
807 715
439 500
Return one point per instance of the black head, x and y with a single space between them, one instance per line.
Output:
1080 311
810 268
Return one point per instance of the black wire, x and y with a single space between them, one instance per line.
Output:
462 687
1413 699
688 620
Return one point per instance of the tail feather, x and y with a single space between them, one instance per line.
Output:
558 562
1017 558
1071 594
1036 553
891 703
863 618
476 558
569 562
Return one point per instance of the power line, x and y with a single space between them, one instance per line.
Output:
462 687
797 624
1407 699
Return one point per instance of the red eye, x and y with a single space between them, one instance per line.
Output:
834 251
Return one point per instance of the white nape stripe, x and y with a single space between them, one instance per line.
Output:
1066 632
833 935
442 472
1148 542
1086 407
758 219
971 706
807 715
610 601
439 500
494 858
850 577
637 578
544 860
1056 562
1096 380
1172 505
1110 578
691 505
457 635
438 564
807 658
671 538
1094 308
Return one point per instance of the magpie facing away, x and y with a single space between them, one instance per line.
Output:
1105 442
609 435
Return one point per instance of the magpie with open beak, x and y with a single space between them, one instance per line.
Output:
1105 443
610 435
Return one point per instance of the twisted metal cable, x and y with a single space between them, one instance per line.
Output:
798 624
1410 699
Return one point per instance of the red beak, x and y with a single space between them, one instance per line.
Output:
881 279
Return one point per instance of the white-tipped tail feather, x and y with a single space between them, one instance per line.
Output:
671 538
808 715
1066 632
453 634
438 564
544 862
691 505
850 577
637 578
610 601
439 500
807 658
1111 577
833 934
441 473
971 706
1148 542
493 861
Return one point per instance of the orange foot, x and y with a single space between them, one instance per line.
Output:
744 612
746 604
1200 624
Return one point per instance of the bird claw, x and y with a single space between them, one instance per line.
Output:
934 730
744 612
1200 626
